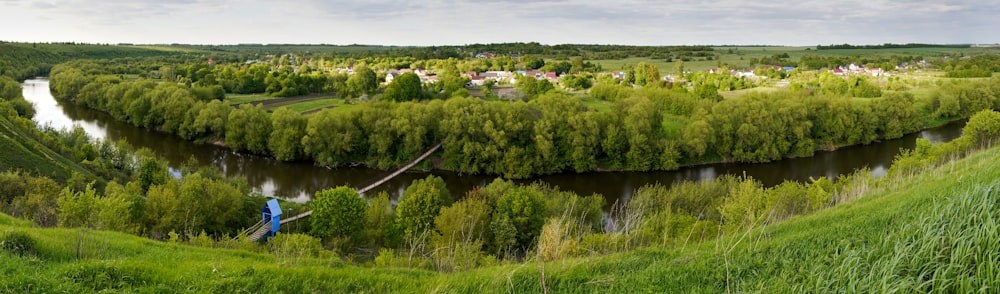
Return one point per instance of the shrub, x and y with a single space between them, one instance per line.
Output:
18 243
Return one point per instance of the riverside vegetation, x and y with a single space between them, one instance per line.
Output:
926 226
730 233
615 126
855 233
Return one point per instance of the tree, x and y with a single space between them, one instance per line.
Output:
151 173
362 82
696 136
78 209
405 87
420 204
464 222
248 128
330 138
532 62
380 222
211 120
983 129
286 137
523 210
338 212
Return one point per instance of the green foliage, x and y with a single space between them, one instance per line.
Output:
462 231
28 149
897 115
979 66
532 87
151 172
380 223
190 205
294 249
21 61
339 213
648 128
405 87
18 243
362 82
862 87
288 128
78 209
983 128
464 221
646 74
576 82
609 91
522 209
420 204
248 128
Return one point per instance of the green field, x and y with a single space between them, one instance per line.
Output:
236 99
302 104
316 104
923 232
597 105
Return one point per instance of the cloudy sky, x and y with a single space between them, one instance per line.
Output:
456 22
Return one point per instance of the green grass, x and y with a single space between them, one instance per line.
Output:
236 99
597 105
933 231
22 152
315 104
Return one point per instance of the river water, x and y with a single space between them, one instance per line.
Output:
297 181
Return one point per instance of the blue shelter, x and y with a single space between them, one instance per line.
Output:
272 216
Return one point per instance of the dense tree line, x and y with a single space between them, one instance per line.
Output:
551 133
890 46
21 61
979 66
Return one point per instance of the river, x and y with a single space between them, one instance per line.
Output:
297 181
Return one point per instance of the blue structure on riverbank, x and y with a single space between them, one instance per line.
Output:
272 217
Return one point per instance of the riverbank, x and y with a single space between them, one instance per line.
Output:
889 237
297 181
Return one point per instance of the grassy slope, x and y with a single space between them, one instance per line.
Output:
815 252
787 257
21 152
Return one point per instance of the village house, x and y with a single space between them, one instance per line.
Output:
620 75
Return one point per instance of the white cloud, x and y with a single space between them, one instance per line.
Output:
401 22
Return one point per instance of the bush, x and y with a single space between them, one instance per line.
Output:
18 243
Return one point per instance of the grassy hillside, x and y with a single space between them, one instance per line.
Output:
935 230
22 152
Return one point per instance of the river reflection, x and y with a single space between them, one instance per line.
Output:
297 181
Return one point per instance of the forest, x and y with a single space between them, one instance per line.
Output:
656 127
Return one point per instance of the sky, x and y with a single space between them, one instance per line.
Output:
458 22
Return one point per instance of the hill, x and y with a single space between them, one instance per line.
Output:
21 151
25 60
933 230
